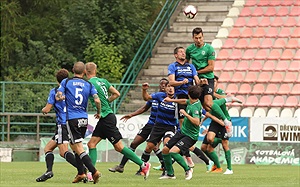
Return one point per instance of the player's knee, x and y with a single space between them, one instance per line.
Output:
165 150
91 144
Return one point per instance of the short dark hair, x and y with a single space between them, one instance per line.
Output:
61 75
194 91
176 49
163 79
216 77
197 31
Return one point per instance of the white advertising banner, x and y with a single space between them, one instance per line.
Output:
128 129
285 130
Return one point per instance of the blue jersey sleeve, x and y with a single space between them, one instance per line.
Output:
51 98
171 69
194 71
149 103
62 86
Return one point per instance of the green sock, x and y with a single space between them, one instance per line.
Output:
131 156
216 142
168 164
228 159
217 110
93 155
215 159
180 160
225 111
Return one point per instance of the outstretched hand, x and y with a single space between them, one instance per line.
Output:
126 117
145 86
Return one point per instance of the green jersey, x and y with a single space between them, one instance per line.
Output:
189 129
102 86
200 57
223 107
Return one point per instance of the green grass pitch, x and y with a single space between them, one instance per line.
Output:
23 174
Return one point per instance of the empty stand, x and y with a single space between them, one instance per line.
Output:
234 112
262 54
241 98
286 112
234 33
277 77
263 3
287 2
274 54
225 77
271 11
242 66
290 77
272 32
284 89
249 54
241 43
290 22
247 112
295 90
259 32
223 54
237 77
251 101
232 89
265 22
218 65
283 11
294 66
297 55
295 11
269 65
246 12
251 77
240 22
230 66
280 43
245 89
277 22
247 33
258 11
255 66
291 101
278 101
287 54
293 43
282 66
296 33
265 101
267 43
273 112
229 44
235 55
258 89
254 43
252 22
297 113
264 77
285 32
274 3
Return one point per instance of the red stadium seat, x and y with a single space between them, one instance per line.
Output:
287 2
234 33
263 3
282 66
290 77
269 65
258 89
237 77
255 66
252 22
241 98
293 43
265 22
225 77
295 11
229 44
285 32
274 3
254 43
291 101
264 77
296 33
267 43
271 89
223 54
258 11
277 22
235 55
283 11
245 89
277 77
290 22
247 33
251 3
252 100
242 66
232 89
241 43
274 54
294 66
262 54
271 11
260 32
295 90
265 101
240 22
246 12
297 55
218 65
249 54
287 54
230 66
297 3
251 77
272 32
284 89
278 101
280 43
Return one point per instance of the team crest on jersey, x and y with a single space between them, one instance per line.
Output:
203 52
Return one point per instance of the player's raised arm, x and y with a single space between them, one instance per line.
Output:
145 94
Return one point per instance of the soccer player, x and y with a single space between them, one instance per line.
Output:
76 92
186 137
166 119
203 58
217 134
61 137
145 131
106 126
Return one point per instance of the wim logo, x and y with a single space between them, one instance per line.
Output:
270 132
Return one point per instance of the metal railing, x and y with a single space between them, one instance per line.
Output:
145 50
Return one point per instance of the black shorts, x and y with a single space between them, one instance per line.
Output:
207 89
76 129
183 142
180 106
61 134
161 131
107 128
219 130
145 131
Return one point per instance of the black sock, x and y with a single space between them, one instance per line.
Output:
187 154
145 156
87 162
201 155
49 158
70 158
79 164
158 153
